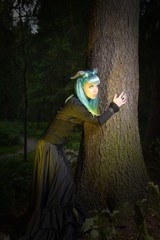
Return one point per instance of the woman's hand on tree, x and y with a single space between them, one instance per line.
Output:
120 100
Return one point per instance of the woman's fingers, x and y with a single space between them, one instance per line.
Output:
121 99
121 95
124 97
115 96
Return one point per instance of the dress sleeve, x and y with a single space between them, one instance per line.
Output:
84 115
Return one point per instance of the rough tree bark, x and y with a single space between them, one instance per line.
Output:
113 167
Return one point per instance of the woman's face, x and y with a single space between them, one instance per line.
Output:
91 90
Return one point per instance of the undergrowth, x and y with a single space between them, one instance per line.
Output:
139 224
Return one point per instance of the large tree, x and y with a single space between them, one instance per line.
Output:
113 169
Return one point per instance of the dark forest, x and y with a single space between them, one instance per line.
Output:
42 44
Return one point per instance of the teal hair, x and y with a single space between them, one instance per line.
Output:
90 104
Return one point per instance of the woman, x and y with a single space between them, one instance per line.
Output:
56 214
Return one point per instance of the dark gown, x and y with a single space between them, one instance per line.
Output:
57 214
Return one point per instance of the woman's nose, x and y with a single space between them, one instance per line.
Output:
95 89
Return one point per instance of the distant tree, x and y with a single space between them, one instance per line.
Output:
7 74
113 169
24 26
150 45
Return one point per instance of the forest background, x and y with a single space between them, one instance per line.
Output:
42 44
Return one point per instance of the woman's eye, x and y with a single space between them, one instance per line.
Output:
92 86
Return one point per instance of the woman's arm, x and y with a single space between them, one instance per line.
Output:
81 112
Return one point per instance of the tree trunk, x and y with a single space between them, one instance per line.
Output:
113 168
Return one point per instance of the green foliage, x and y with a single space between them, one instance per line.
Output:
72 157
102 226
8 133
105 225
141 209
36 129
11 133
55 56
15 179
154 149
10 136
89 224
144 207
47 58
154 198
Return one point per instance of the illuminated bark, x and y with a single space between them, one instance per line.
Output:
113 167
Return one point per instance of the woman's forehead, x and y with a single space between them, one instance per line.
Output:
90 83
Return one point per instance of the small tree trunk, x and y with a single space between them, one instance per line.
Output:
24 71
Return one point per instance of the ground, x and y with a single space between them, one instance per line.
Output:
13 225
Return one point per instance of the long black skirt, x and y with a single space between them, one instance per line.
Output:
56 215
